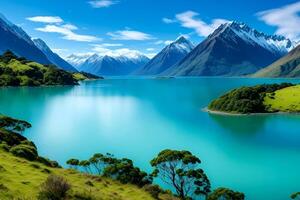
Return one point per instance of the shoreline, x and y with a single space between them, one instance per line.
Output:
215 112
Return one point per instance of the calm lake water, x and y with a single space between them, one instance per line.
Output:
137 118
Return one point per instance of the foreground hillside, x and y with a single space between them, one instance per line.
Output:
288 66
21 179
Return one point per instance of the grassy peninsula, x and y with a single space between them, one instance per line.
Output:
18 71
266 98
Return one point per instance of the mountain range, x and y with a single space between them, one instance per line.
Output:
233 49
108 65
167 58
287 66
19 42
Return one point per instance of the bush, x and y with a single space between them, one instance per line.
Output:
154 190
4 146
225 194
48 162
24 151
54 188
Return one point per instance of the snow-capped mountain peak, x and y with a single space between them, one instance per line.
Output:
181 44
274 43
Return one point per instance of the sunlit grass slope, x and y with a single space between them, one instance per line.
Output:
21 179
284 100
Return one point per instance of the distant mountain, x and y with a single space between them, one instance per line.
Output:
110 65
53 57
15 39
287 66
77 59
169 56
233 49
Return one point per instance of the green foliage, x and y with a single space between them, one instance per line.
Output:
124 171
48 162
154 190
246 99
73 163
25 151
12 124
295 195
180 170
16 71
225 194
54 188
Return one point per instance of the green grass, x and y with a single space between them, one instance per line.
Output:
284 100
21 179
80 77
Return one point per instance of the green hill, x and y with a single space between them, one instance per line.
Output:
288 66
256 99
18 71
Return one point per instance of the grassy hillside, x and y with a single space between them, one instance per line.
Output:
23 171
21 179
16 71
288 66
284 100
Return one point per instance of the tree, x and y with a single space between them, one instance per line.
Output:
73 163
180 170
225 194
86 165
97 161
295 195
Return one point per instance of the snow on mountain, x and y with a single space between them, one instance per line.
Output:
108 65
233 49
274 43
168 57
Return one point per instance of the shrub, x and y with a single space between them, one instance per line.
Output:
225 194
24 151
48 162
4 146
154 190
54 188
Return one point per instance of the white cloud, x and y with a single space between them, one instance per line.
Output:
286 19
150 55
67 32
102 3
112 44
102 51
165 42
45 19
188 20
150 49
168 21
129 35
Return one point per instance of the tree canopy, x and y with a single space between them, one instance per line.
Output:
180 170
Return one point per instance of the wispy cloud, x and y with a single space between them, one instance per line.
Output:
129 35
286 19
150 49
57 25
168 20
102 3
165 42
189 19
68 33
45 19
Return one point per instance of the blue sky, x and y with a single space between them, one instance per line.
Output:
102 26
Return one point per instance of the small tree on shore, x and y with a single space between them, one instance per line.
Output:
180 170
295 195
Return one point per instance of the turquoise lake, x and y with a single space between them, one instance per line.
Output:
137 118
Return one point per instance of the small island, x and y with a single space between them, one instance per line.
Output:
266 98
